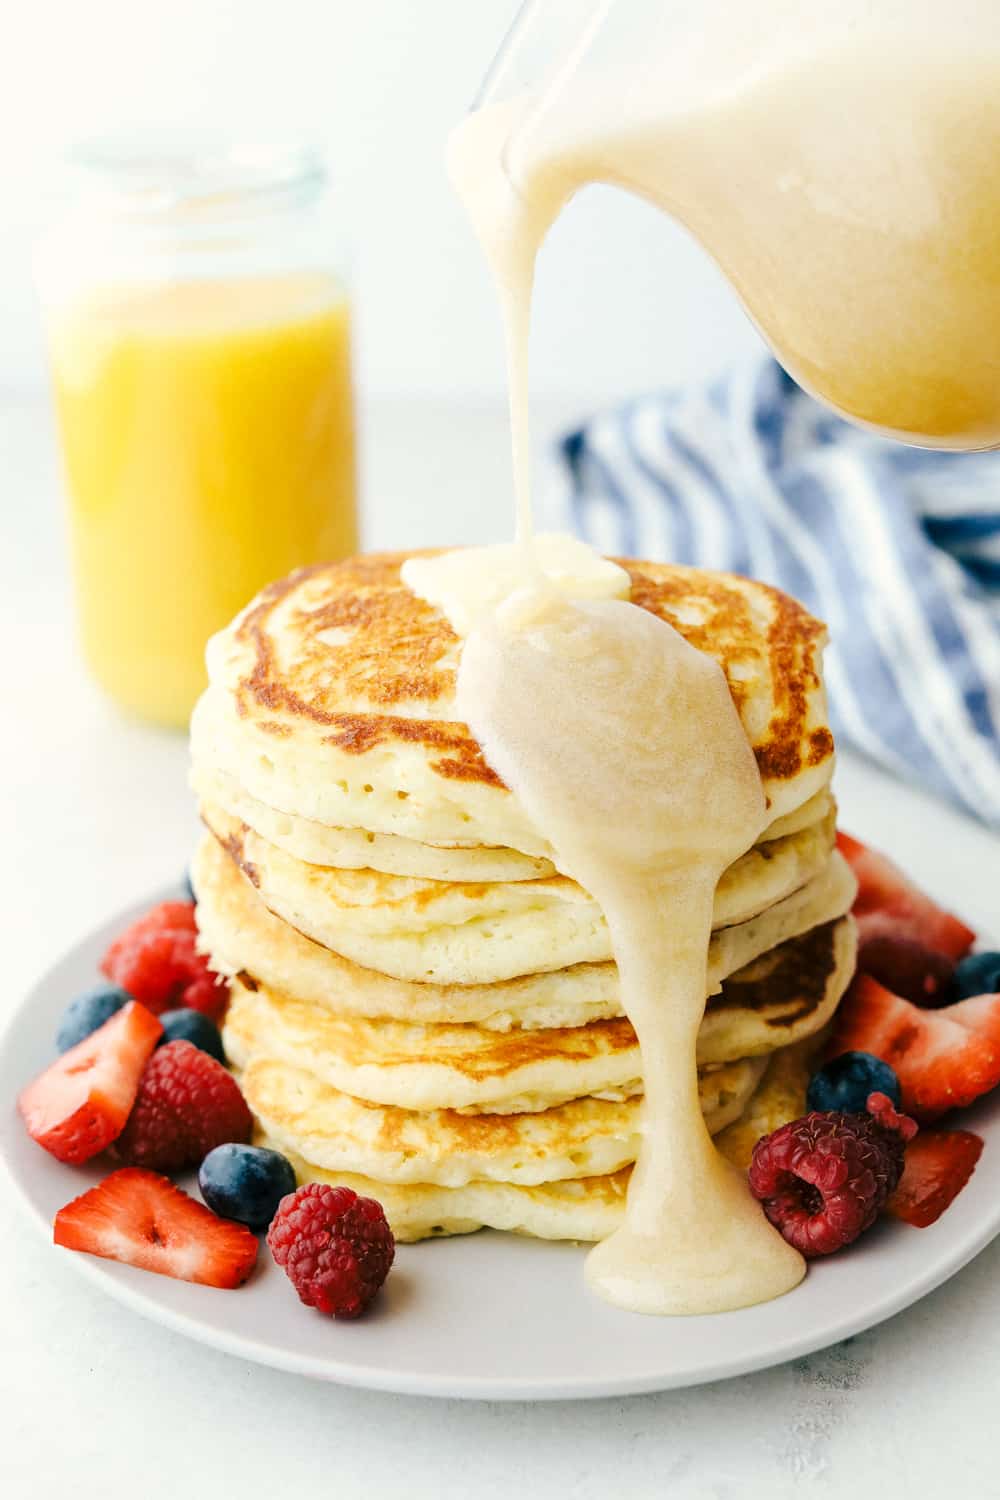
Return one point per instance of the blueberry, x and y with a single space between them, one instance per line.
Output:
979 974
87 1012
845 1083
189 894
191 1026
245 1183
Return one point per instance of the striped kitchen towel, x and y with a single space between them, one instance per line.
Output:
898 549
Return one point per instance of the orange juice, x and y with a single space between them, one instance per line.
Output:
208 442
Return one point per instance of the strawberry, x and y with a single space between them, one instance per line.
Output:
80 1104
938 1165
909 969
143 1220
944 1059
890 905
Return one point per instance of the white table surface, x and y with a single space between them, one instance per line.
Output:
95 1402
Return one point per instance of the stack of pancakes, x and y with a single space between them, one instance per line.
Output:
423 1007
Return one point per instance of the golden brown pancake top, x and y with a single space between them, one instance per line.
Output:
372 660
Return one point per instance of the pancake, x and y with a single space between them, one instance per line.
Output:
357 849
780 1000
423 1007
585 1209
578 1208
582 1138
780 1097
242 937
332 698
462 933
782 997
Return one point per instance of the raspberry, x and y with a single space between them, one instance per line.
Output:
186 1106
335 1247
823 1180
157 962
208 994
168 916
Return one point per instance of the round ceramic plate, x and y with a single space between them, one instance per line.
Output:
492 1315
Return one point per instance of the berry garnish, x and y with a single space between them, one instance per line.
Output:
187 1104
157 961
207 993
979 974
87 1012
192 1026
80 1104
944 1059
824 1179
845 1082
938 1165
888 904
173 916
143 1220
246 1183
189 890
335 1248
908 969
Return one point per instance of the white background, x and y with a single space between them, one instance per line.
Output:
625 301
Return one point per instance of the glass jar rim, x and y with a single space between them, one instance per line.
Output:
155 179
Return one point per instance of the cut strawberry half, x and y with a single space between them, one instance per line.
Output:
80 1104
944 1059
890 905
144 1220
938 1165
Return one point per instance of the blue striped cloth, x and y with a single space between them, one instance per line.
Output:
896 548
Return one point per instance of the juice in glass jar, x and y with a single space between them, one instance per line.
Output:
205 411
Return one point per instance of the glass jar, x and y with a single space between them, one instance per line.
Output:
199 336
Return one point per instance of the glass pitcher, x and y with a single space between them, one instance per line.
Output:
839 162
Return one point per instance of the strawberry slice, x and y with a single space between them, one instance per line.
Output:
890 905
938 1165
80 1104
908 969
944 1059
144 1220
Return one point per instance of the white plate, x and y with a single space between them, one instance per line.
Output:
492 1315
